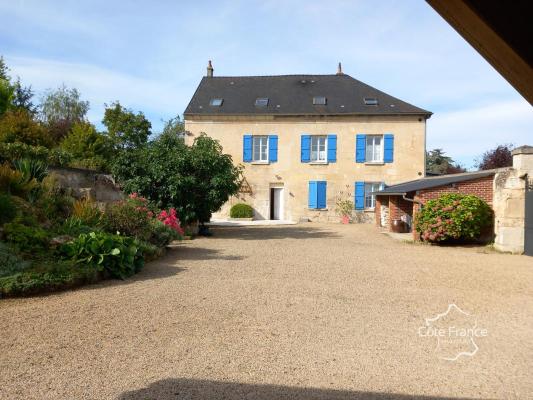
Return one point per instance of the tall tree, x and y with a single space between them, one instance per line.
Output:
61 108
87 147
196 180
6 88
23 97
125 128
498 157
437 162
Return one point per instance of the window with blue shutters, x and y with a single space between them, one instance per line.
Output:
332 148
247 148
388 148
305 148
359 195
360 148
317 194
272 148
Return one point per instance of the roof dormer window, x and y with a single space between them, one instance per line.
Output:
370 101
319 101
261 102
216 102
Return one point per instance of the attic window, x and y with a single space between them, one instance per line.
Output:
216 102
370 101
261 102
319 101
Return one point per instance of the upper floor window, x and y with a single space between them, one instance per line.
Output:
260 148
370 101
374 148
216 102
318 149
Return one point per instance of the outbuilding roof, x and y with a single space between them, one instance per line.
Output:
431 182
294 95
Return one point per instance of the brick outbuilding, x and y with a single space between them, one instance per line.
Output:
398 204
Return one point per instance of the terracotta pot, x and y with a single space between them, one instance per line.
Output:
345 219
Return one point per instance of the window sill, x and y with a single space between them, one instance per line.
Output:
375 163
260 162
318 163
318 209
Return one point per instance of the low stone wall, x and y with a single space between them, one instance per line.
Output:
85 183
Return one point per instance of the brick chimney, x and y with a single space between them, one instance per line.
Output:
209 69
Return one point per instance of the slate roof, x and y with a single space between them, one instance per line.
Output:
293 95
433 181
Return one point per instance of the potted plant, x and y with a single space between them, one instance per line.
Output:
344 208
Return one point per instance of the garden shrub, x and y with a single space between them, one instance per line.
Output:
170 219
453 217
15 182
241 210
47 276
31 169
87 212
121 256
73 226
8 210
161 234
27 239
15 151
10 263
130 217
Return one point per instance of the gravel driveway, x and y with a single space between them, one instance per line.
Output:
307 311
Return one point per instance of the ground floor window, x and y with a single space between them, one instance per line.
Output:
370 199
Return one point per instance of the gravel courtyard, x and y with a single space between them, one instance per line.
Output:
305 311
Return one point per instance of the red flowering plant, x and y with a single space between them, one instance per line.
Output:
170 218
453 216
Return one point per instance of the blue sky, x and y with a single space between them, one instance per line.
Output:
151 55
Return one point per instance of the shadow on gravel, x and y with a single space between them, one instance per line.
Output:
203 389
267 232
201 253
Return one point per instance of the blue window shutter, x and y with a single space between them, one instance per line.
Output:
332 148
321 194
312 194
273 148
247 148
306 148
359 195
360 148
388 148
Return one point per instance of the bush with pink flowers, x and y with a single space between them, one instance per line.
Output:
453 216
170 218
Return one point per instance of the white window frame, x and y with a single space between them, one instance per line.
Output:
316 139
256 141
371 187
377 156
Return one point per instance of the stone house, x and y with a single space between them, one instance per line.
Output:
308 140
509 191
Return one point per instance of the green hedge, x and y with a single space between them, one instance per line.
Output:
241 210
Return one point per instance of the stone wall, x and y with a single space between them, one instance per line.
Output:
86 183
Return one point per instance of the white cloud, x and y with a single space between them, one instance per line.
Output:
468 133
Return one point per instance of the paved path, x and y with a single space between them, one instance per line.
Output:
307 311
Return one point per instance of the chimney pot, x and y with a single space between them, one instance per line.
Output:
339 70
209 69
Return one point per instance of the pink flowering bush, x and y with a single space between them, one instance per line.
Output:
453 217
170 219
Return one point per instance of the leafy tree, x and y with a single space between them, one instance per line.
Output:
60 109
498 157
86 146
18 126
437 162
125 128
6 89
174 126
196 180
